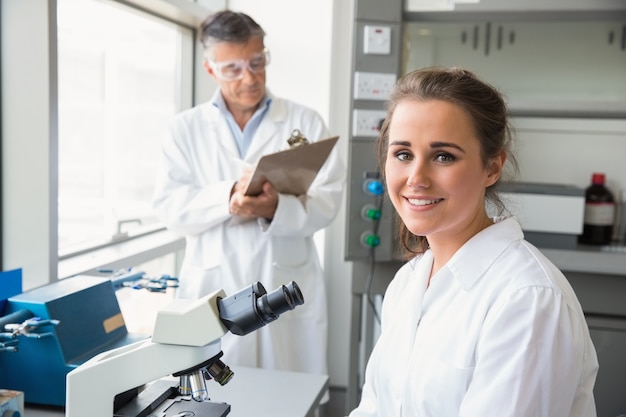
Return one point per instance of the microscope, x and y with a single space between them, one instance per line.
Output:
139 379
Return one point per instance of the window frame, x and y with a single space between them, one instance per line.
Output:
29 204
183 99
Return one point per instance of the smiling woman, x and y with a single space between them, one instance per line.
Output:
479 321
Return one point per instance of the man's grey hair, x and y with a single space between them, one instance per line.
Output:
227 26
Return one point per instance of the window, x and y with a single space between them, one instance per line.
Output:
120 73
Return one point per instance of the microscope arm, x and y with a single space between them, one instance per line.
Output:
186 333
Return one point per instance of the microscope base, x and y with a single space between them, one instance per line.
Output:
160 398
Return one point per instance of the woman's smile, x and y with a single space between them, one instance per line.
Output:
420 202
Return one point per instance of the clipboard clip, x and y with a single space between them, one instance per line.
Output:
297 139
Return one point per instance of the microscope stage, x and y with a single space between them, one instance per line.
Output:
160 399
191 408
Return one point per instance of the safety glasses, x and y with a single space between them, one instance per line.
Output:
233 70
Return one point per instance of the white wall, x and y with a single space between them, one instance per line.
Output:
299 38
311 47
28 170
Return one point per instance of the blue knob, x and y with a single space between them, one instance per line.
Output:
374 187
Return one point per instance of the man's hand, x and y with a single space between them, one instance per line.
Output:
262 205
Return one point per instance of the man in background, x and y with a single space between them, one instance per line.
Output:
234 240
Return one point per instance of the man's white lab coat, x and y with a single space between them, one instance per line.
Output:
223 252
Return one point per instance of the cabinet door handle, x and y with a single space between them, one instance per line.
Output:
476 37
487 37
600 322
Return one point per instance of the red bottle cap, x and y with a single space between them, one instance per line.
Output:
597 178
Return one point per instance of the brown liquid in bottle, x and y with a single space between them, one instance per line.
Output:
599 213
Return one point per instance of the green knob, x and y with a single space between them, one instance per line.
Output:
372 213
371 241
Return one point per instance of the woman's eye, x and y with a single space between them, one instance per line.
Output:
403 156
445 157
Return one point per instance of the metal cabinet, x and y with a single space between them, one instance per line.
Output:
602 299
545 67
609 339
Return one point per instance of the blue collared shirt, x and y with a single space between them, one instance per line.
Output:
243 138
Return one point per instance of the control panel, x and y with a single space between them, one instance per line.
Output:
370 214
370 221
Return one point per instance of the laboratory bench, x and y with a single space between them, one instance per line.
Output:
251 392
606 259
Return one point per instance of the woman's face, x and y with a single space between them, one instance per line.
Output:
435 176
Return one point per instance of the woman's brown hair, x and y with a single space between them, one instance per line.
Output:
481 101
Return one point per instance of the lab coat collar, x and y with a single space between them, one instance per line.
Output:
267 129
217 100
479 253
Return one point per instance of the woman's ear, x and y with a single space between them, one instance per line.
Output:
494 169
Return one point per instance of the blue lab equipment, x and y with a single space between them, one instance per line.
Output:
55 329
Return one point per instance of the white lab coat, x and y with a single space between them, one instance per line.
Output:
201 164
499 333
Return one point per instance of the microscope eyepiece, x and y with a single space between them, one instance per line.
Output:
282 299
252 307
295 292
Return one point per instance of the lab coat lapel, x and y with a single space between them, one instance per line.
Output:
269 136
220 131
266 140
422 273
415 285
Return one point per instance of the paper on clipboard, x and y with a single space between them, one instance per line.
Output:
293 170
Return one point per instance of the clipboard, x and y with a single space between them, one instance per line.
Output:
293 170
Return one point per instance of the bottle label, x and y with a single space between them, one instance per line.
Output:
599 214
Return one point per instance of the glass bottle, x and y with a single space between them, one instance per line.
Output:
599 212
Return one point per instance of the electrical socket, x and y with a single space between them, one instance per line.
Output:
373 85
366 122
